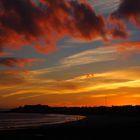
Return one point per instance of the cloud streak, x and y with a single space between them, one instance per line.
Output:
17 62
90 56
27 87
113 80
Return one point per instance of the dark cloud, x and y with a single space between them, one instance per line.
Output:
17 62
118 29
23 22
129 10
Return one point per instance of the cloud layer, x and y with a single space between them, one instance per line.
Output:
26 23
42 25
22 22
93 88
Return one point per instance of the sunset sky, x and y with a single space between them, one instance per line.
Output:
69 52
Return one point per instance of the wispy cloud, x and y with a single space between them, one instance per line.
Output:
93 56
90 56
105 6
99 82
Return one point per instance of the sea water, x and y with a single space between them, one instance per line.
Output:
22 120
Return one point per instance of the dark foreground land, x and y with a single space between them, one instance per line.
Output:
98 126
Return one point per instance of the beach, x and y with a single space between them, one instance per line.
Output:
90 128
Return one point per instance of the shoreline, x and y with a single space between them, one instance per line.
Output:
94 127
33 122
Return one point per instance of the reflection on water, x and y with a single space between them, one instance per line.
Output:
17 120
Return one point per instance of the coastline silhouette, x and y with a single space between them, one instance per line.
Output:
127 110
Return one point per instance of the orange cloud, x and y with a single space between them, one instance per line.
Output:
116 86
4 53
15 72
12 78
128 46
